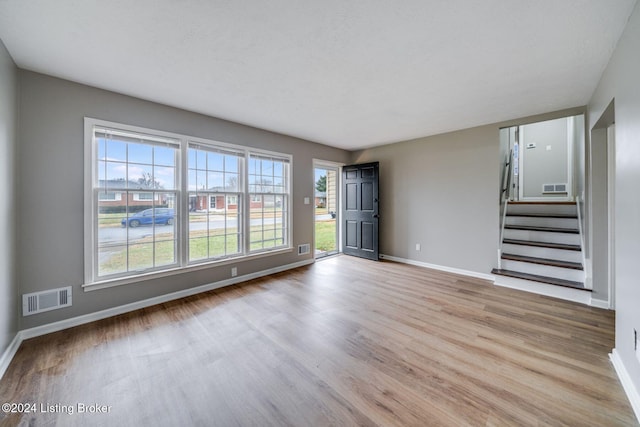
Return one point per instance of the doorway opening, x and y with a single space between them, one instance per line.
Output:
543 166
326 209
601 209
542 205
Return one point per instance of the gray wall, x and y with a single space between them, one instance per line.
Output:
50 188
441 192
8 143
542 166
621 81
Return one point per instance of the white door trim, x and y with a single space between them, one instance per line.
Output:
611 175
337 167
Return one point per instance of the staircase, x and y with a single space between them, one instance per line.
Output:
541 243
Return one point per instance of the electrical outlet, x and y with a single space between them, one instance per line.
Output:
234 271
417 246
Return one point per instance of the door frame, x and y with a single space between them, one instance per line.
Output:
337 167
611 185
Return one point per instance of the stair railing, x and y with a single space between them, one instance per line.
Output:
504 200
506 177
586 267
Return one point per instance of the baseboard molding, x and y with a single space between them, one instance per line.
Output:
439 267
561 292
7 355
599 303
37 331
575 295
627 383
114 311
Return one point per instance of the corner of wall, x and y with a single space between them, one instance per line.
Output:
9 125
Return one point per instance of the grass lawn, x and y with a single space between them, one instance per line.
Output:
147 253
326 235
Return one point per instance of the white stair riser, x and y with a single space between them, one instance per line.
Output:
542 236
570 294
544 270
542 209
542 222
538 252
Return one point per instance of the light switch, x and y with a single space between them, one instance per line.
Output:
548 148
307 200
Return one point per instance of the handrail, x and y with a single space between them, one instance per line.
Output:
506 178
504 201
504 219
587 270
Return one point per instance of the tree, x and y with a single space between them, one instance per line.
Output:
232 183
147 181
263 186
321 184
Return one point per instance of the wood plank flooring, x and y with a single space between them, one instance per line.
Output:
342 342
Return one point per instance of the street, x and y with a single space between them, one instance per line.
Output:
118 234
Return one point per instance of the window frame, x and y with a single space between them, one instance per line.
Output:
252 196
91 279
137 198
117 196
215 147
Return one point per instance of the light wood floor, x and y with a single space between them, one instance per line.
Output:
342 342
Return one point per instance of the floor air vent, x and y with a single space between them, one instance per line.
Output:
303 249
38 302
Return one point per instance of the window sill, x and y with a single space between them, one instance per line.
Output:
103 284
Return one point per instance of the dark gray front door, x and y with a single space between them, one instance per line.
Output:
360 210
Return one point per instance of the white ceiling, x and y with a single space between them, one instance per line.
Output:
350 74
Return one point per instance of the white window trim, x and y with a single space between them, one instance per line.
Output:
117 198
136 197
289 197
182 206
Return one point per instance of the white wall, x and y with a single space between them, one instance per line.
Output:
8 144
542 165
621 81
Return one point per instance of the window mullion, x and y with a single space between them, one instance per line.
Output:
183 226
247 205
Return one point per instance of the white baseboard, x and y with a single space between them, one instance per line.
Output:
37 331
561 292
110 312
627 383
439 267
600 303
569 294
8 354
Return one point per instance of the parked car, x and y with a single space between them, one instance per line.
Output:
149 216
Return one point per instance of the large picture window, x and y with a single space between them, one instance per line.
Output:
157 201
